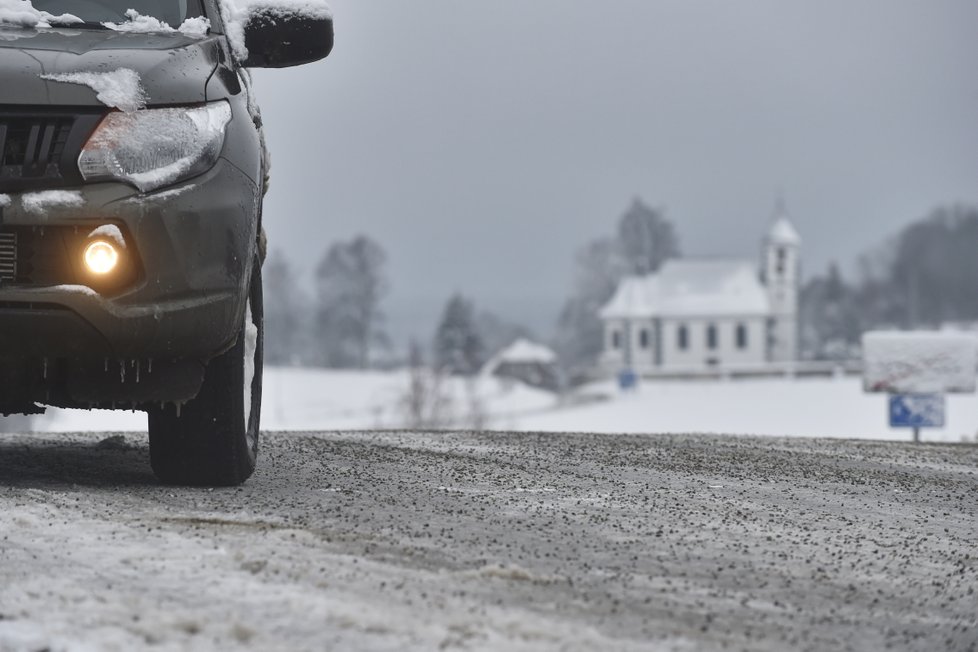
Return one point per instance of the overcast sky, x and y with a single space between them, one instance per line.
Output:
483 143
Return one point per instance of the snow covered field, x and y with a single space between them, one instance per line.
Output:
316 399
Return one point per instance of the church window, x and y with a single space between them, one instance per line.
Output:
682 337
782 256
741 336
711 336
616 339
643 338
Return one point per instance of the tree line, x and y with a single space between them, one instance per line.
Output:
343 326
924 276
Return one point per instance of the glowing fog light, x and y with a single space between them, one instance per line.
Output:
101 257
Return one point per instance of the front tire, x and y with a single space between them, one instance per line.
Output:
212 440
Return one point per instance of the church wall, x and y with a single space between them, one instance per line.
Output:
697 352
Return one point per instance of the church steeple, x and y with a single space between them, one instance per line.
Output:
782 231
781 273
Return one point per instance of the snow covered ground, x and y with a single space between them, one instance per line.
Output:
316 399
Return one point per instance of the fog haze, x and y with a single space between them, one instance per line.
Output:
483 144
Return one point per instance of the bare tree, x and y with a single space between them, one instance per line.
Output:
350 283
646 239
285 312
425 404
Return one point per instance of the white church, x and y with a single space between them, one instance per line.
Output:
703 314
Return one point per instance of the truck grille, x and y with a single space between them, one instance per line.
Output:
8 257
31 256
39 149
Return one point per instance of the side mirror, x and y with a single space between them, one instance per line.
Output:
282 36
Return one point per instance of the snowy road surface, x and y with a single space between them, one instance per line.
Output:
400 541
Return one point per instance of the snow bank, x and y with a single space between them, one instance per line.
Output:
120 89
41 202
23 13
919 362
237 13
140 24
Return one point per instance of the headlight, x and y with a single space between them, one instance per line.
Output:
155 147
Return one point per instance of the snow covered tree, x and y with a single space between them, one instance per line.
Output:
350 283
646 239
458 347
285 312
598 269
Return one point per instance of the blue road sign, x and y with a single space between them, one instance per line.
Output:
627 379
916 410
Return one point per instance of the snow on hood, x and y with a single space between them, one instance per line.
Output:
119 89
23 13
140 24
236 13
173 68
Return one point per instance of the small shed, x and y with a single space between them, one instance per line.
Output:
527 362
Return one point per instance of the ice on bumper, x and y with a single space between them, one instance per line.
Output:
156 147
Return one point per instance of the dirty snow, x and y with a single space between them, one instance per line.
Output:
41 202
140 24
120 89
920 362
109 232
468 541
23 13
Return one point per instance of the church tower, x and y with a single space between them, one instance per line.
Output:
781 271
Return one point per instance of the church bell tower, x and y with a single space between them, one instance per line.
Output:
781 271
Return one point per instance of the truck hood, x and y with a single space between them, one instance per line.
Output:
172 68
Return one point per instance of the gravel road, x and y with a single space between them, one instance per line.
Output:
420 541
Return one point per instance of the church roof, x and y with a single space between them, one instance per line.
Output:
691 288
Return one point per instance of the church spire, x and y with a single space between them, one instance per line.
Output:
782 231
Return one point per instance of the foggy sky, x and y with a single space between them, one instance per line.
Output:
483 143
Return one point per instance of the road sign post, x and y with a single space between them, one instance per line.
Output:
917 411
917 369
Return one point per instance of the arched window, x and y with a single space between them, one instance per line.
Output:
741 336
643 338
711 336
682 337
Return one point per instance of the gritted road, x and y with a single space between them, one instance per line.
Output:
395 541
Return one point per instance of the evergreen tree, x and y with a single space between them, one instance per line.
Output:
458 347
350 283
